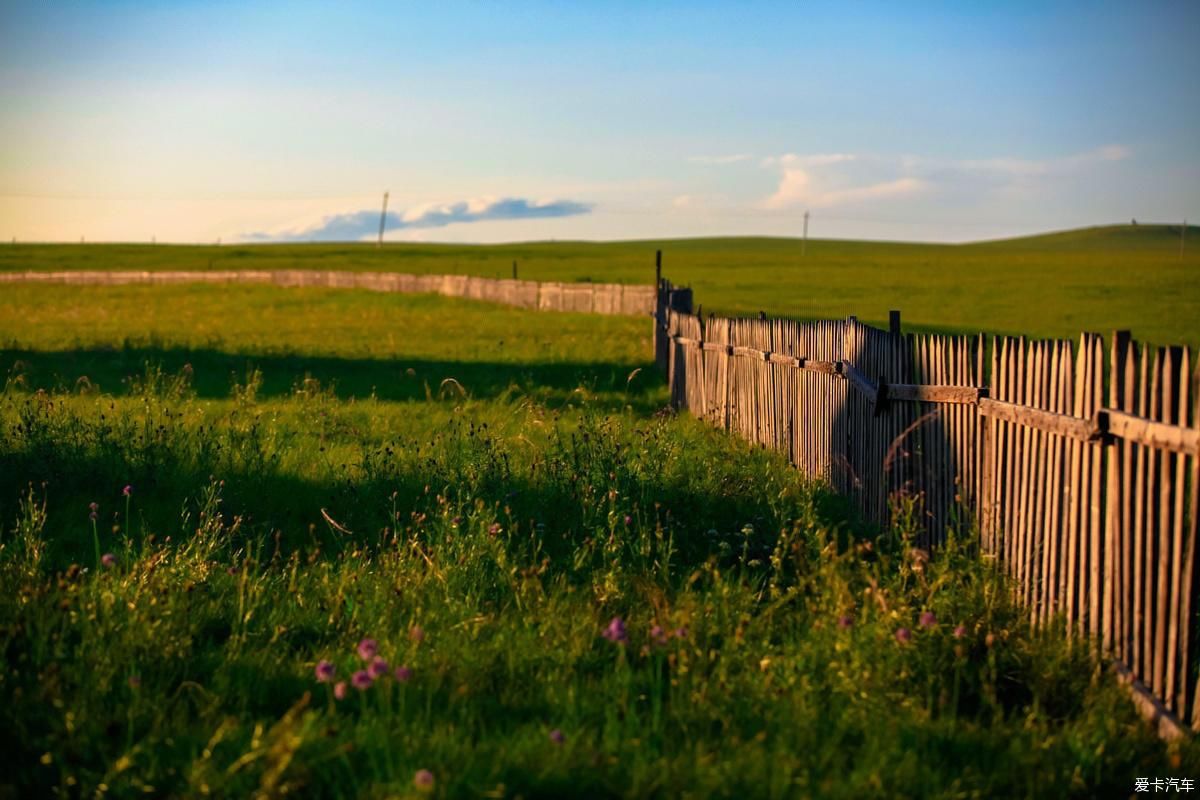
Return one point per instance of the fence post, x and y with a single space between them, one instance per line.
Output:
1115 554
660 313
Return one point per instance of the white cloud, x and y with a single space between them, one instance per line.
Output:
797 187
838 179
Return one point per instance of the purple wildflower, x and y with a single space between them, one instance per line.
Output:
128 490
658 634
361 680
368 649
616 632
903 635
339 690
324 671
416 633
378 668
108 560
845 621
494 528
423 780
455 521
960 631
928 619
403 674
628 520
557 736
681 632
93 507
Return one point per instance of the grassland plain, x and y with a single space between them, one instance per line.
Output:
1054 285
347 544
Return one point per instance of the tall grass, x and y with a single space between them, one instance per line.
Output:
758 643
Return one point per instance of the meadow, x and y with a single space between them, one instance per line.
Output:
1054 285
329 543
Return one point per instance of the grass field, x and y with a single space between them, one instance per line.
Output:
575 594
1055 285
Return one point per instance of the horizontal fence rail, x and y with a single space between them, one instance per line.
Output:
593 298
1077 464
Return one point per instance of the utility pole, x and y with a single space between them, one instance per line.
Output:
1182 238
804 241
382 220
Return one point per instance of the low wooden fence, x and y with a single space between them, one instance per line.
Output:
596 298
1079 465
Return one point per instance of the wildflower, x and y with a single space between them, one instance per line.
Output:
960 631
658 635
128 490
990 639
108 560
339 690
494 528
557 736
324 671
423 780
845 622
416 633
616 632
378 668
628 520
681 632
928 619
403 674
903 635
361 680
456 521
368 649
93 507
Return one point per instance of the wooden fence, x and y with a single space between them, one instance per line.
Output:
597 298
1078 465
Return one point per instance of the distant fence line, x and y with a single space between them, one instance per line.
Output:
1080 465
594 298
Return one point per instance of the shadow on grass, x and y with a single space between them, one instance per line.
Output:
212 374
554 504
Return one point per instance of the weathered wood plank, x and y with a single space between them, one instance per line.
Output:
1061 424
1151 433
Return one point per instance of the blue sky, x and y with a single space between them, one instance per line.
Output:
510 121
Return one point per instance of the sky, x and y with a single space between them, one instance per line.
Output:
240 121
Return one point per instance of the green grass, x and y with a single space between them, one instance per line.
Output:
1054 285
292 495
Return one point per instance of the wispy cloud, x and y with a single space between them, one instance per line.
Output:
1020 167
733 158
355 225
803 182
840 179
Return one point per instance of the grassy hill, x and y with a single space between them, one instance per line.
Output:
1050 285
